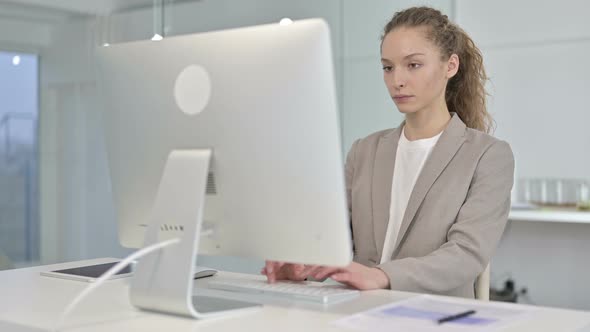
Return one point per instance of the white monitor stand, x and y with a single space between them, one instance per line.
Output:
163 281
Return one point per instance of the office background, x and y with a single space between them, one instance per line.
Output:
535 53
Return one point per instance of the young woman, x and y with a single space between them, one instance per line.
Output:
430 199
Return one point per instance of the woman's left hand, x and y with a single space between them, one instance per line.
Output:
355 275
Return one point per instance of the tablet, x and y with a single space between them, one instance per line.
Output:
88 273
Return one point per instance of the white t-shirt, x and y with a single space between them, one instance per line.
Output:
409 161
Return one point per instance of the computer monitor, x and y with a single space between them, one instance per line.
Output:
263 100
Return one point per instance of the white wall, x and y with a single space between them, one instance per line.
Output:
19 34
536 56
537 63
549 259
77 219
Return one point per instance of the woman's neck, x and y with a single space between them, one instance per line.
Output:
421 124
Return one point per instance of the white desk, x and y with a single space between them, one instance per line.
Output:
31 302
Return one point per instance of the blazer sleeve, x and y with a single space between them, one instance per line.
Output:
473 237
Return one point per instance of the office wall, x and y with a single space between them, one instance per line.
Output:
536 56
549 259
18 34
77 218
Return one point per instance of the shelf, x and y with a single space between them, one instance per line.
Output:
555 216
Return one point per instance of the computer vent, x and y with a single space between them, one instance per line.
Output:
211 186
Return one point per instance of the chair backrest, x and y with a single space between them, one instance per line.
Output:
482 285
5 262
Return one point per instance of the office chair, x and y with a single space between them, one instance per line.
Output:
482 285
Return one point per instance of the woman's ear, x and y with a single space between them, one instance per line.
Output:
452 65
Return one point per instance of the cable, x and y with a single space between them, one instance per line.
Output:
110 272
524 294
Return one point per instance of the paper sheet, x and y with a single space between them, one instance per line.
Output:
421 313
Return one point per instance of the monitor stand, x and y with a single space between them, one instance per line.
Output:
163 280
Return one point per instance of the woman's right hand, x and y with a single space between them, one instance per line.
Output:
286 271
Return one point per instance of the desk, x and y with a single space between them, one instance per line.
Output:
30 302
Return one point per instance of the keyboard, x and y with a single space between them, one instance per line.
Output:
296 290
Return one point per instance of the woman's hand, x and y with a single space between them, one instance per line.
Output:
354 275
285 271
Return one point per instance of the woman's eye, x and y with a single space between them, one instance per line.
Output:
414 65
387 68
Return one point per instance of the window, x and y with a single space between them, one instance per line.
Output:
19 105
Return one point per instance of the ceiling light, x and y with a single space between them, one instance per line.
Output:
286 21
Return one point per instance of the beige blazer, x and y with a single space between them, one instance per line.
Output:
455 216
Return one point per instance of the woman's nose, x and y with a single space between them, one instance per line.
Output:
399 81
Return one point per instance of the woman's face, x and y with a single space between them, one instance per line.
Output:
413 71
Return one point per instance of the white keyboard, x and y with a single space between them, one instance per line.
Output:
305 290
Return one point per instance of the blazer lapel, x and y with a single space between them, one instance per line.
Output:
447 146
381 185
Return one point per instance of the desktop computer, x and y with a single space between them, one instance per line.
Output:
229 140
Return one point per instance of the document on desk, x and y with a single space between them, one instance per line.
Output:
423 313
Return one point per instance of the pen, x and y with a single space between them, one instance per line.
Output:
455 316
